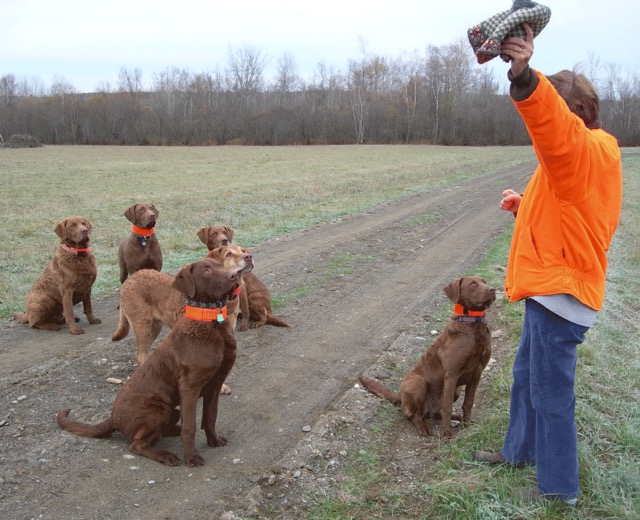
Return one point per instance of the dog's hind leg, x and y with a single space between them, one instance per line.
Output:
145 338
142 446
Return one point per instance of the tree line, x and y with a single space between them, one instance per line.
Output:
438 97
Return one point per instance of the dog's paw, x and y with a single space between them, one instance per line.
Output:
168 458
76 331
95 321
216 440
446 433
225 390
195 460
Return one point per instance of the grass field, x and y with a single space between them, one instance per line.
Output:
261 192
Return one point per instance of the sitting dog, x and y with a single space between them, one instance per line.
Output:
140 249
192 361
215 236
254 294
259 303
67 280
455 359
233 257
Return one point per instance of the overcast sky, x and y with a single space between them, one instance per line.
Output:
87 42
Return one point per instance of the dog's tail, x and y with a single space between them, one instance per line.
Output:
21 318
96 431
272 320
377 388
123 327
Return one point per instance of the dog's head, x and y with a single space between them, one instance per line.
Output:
144 216
472 292
215 236
74 231
233 258
206 281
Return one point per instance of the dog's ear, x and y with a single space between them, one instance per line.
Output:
60 228
453 290
131 213
203 235
216 254
156 211
229 232
184 281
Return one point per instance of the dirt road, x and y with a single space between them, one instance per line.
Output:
362 281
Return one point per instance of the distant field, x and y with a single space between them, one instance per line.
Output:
260 191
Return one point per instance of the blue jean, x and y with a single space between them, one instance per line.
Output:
542 427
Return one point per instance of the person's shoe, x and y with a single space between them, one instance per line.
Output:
532 493
489 457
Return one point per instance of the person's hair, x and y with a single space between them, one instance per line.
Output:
579 94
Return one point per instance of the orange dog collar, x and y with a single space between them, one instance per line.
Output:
235 293
76 250
142 231
459 310
463 314
205 314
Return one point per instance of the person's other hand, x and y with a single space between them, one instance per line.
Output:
520 50
510 201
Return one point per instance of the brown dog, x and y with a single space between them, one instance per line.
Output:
141 249
455 359
259 303
215 236
67 280
235 258
254 293
192 361
148 300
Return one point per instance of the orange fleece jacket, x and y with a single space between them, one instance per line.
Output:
570 208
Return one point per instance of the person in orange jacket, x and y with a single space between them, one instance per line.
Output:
565 221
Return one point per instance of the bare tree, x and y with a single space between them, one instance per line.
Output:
245 67
130 80
287 79
8 88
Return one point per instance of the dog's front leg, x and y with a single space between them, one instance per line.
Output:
210 395
448 393
244 309
188 402
88 309
67 311
469 398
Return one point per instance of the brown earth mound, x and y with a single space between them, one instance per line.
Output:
22 141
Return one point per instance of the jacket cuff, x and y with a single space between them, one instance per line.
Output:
522 85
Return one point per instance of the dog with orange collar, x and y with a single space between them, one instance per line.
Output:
160 398
67 280
456 359
140 249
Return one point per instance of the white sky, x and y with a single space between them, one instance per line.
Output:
87 42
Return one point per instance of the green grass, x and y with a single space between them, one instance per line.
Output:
261 192
607 414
